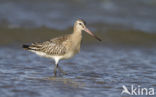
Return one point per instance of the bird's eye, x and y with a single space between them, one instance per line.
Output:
80 24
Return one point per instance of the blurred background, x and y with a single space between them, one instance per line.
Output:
126 55
117 21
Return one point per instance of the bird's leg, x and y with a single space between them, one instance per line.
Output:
58 67
55 70
61 70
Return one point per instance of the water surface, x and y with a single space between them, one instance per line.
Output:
98 71
126 55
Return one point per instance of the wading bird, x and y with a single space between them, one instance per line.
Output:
63 47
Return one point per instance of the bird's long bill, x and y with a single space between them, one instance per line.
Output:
90 33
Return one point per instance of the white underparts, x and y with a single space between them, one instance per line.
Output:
54 57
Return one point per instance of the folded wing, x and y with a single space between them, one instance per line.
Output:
51 47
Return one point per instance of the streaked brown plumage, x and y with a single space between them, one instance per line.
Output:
52 47
63 47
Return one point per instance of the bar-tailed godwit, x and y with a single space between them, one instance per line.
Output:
63 47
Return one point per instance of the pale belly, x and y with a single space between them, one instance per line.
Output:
68 55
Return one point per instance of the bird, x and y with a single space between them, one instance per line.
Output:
62 47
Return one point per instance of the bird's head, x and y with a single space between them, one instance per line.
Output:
80 25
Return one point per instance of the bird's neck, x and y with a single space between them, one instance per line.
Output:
76 38
77 34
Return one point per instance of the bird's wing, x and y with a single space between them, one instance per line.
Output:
52 47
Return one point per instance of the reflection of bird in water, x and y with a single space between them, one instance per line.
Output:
63 47
67 81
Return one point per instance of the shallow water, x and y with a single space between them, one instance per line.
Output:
126 56
97 71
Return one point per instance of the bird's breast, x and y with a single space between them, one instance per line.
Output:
73 50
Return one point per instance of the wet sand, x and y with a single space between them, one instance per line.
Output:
112 36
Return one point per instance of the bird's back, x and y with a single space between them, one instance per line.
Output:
56 46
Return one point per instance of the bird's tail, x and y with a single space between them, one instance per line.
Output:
26 47
32 47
